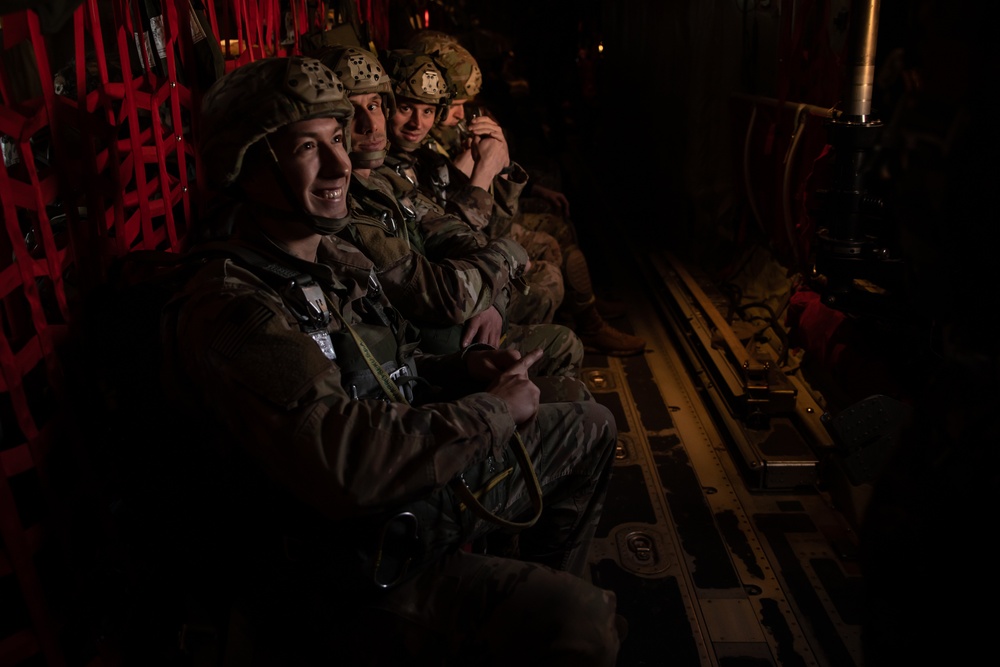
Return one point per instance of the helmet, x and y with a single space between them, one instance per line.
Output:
416 76
456 61
360 72
427 41
258 99
463 73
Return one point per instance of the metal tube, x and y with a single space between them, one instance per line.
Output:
861 64
812 109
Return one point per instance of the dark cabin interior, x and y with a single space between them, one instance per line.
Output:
790 196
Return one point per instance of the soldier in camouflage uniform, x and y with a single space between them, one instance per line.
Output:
418 246
337 452
459 139
485 205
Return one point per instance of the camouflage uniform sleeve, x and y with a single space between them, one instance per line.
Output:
448 236
506 193
450 291
282 401
445 290
475 206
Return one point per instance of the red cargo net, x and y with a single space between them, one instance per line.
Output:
97 123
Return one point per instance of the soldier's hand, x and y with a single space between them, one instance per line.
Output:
487 365
489 148
465 160
556 199
517 390
485 127
485 327
491 158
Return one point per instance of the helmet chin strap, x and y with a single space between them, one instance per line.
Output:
315 223
368 159
407 145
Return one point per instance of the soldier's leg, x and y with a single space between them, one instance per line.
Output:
539 244
563 348
544 297
544 279
579 300
487 610
556 226
471 609
572 447
581 303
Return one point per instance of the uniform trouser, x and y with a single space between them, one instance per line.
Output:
545 295
563 348
468 608
472 609
544 280
578 290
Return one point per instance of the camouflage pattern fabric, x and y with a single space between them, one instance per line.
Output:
437 292
579 290
269 94
436 175
445 140
574 481
428 41
452 251
546 289
556 226
493 214
457 63
544 296
319 465
462 73
417 77
563 349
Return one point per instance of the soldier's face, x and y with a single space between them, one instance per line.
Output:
412 120
312 156
456 112
368 126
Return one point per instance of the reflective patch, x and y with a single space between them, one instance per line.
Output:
322 339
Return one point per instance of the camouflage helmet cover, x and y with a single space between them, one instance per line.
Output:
427 41
360 71
458 63
416 76
258 99
463 73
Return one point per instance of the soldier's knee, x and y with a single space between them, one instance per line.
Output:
603 421
587 632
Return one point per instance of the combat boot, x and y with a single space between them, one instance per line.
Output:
599 336
610 309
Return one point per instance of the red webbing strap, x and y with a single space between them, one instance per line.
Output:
379 28
318 19
190 98
273 21
252 31
27 342
301 23
126 31
172 187
212 20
